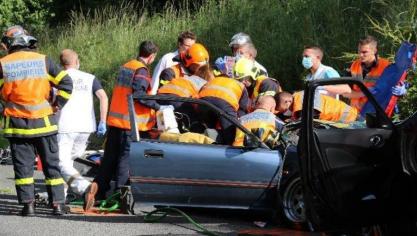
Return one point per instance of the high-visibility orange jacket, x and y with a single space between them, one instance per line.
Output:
118 113
227 89
174 72
330 108
258 119
369 80
186 86
25 79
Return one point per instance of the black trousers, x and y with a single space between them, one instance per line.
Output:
24 151
228 130
115 162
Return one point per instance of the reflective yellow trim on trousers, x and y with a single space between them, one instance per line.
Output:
30 131
58 78
1 82
24 181
64 94
54 182
47 122
6 125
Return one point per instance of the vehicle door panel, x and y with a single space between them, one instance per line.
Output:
346 171
347 147
201 175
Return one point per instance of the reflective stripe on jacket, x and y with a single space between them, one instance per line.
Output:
259 119
227 89
118 113
257 88
330 108
187 86
26 87
369 80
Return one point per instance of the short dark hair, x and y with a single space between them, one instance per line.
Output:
186 35
146 48
318 51
368 40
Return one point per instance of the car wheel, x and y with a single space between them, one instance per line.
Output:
292 203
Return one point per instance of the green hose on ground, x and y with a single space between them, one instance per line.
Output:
158 214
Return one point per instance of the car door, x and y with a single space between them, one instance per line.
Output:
207 175
351 171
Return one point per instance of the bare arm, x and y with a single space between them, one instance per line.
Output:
354 94
104 104
338 89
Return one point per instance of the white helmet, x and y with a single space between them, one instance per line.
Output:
17 36
240 39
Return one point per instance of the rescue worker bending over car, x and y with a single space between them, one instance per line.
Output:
133 78
262 122
262 85
231 96
195 59
31 127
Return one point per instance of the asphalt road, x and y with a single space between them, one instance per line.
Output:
220 222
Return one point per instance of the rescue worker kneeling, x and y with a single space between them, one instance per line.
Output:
30 122
329 108
262 122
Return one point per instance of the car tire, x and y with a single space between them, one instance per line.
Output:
291 207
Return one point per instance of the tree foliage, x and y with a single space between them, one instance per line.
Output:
32 14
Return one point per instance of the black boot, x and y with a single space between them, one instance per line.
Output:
28 209
59 209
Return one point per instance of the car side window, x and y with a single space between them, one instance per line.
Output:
345 112
187 122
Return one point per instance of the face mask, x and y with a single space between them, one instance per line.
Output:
307 62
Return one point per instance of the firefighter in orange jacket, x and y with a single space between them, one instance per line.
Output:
188 85
231 96
133 78
30 123
195 59
367 67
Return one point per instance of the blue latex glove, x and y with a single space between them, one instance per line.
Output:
101 129
399 90
220 64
